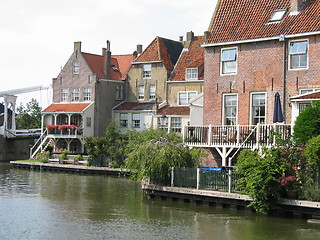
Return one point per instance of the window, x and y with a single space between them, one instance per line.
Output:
88 122
75 94
230 102
119 92
163 123
136 120
303 106
304 91
86 94
176 124
64 95
141 92
152 92
258 108
185 97
192 74
123 119
278 15
298 54
76 68
229 61
146 70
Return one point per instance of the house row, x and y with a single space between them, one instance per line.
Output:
220 90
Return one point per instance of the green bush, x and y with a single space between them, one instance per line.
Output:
312 164
307 124
311 193
260 179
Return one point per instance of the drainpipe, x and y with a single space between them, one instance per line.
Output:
282 38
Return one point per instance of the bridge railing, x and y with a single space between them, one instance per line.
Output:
9 133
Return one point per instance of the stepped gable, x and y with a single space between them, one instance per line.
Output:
193 57
161 49
236 20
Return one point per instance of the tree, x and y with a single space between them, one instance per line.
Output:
29 116
307 124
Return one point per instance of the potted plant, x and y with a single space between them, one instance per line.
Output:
52 128
288 183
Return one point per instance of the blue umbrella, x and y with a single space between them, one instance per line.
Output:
277 111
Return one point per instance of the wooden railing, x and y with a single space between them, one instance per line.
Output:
244 136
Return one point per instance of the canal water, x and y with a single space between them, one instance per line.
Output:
58 206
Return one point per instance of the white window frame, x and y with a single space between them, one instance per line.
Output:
188 97
136 120
251 106
146 71
224 122
86 94
123 117
308 90
278 15
140 92
222 62
293 54
119 92
75 95
176 124
75 67
191 74
152 92
63 94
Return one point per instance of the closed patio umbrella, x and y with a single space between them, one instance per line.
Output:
277 111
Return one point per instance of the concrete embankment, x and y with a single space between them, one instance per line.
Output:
304 209
70 168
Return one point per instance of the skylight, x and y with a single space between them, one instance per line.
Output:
278 15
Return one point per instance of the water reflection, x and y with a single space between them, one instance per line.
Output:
55 205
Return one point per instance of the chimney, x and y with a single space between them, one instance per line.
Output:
77 48
190 36
139 48
206 35
107 61
296 5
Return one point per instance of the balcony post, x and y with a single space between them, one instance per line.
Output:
210 135
258 135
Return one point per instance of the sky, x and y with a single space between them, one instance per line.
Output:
37 36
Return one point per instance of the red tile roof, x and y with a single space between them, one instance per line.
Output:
120 62
137 106
174 110
162 49
312 95
67 107
237 20
192 58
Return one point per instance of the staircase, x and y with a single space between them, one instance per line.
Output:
39 144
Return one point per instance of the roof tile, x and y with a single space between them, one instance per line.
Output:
68 107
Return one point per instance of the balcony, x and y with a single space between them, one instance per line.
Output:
236 136
64 131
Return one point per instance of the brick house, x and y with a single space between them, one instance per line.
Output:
253 50
147 84
84 93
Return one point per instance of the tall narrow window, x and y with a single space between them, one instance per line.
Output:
258 108
298 54
76 68
75 94
123 119
119 92
88 122
191 74
141 92
86 94
152 92
64 95
176 124
229 61
146 71
230 109
185 97
136 120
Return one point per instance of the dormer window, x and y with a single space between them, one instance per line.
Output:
76 68
278 15
191 74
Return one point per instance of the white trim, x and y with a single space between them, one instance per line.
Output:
289 55
184 81
223 108
221 62
260 39
148 62
178 99
250 107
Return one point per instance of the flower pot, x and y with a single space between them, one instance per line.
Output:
292 194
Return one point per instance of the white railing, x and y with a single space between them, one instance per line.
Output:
38 144
9 133
68 133
244 136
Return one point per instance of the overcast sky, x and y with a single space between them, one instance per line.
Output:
37 36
